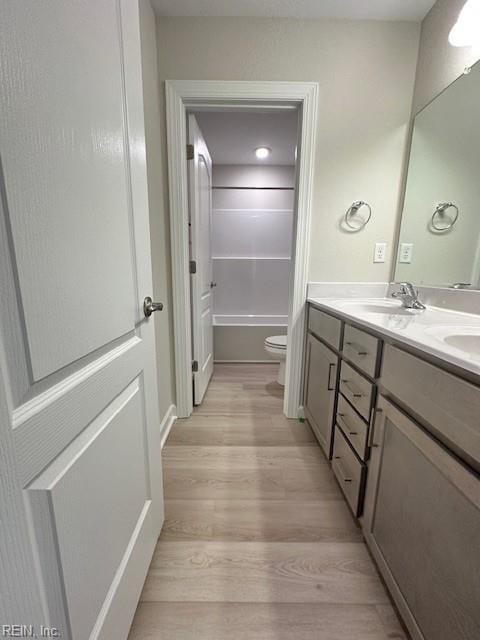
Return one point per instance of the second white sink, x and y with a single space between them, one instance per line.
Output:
466 339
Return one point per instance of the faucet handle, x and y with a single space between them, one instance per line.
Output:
408 295
407 288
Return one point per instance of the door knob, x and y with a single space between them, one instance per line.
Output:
213 284
149 306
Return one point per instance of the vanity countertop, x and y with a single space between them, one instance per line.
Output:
450 336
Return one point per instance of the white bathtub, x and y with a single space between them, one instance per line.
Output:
249 321
241 338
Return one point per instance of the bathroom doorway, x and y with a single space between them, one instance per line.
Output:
241 174
205 97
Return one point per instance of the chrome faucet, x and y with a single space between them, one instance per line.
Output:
409 296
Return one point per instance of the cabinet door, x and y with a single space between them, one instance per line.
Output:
422 523
320 384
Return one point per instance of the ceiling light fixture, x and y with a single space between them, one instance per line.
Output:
262 152
466 31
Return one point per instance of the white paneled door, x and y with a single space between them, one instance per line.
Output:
202 285
81 494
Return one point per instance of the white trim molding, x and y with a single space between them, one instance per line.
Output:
184 94
167 423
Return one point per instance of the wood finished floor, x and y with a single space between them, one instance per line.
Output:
258 543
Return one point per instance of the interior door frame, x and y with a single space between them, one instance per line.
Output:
182 95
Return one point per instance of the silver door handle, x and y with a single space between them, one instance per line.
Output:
149 306
212 285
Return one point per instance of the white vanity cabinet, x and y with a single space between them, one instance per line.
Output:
422 524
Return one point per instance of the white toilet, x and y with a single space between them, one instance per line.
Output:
276 347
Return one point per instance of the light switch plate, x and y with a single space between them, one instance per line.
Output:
405 253
380 253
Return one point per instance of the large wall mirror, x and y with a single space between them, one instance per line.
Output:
440 233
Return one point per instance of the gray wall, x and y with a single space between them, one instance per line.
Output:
366 72
439 64
157 197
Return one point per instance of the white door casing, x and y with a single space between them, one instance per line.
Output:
200 215
223 94
81 481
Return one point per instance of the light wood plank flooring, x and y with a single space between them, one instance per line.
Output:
258 543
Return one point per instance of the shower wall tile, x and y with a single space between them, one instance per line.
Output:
252 239
240 199
252 233
251 287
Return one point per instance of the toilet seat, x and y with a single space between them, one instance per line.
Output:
277 342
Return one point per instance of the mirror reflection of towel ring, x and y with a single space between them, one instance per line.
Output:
352 212
440 212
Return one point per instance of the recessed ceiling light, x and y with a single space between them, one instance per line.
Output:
262 152
465 32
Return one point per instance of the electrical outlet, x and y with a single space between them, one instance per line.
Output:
380 253
405 253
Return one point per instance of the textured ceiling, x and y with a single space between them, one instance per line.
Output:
414 10
232 137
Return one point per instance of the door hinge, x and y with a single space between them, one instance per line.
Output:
190 152
193 266
195 366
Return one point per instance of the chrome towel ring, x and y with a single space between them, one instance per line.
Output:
440 214
352 212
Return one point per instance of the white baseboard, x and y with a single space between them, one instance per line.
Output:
167 423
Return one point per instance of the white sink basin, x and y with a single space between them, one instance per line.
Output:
465 339
470 344
388 307
448 334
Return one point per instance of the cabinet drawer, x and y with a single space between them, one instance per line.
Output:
324 326
353 427
449 404
350 472
362 349
357 389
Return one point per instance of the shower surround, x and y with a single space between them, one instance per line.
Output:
251 245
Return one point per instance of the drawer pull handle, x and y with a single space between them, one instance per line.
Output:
358 350
344 477
370 442
331 367
355 393
352 433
